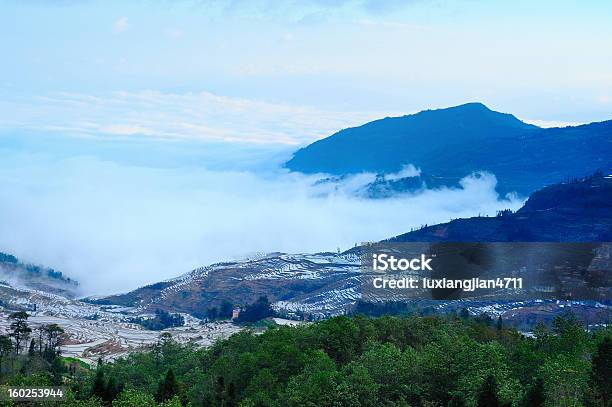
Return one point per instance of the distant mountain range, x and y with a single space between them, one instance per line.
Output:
449 144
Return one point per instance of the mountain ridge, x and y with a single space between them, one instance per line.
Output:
451 143
575 211
16 273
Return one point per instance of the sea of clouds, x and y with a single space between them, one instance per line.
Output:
115 214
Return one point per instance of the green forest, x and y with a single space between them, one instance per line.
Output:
452 360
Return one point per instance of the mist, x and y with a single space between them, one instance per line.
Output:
128 216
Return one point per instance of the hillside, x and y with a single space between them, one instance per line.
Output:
328 284
416 361
576 211
319 284
313 285
15 273
449 144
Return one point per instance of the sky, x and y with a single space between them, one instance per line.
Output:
295 70
141 139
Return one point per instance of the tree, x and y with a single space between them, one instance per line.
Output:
316 385
231 394
162 320
57 370
359 385
535 396
20 329
53 334
566 378
601 374
112 389
41 333
99 385
167 388
32 347
174 402
571 335
6 346
487 394
71 401
219 391
259 310
134 398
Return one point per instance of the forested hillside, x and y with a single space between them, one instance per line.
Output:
456 360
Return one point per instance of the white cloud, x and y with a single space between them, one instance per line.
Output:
202 116
551 123
124 130
407 171
121 25
115 226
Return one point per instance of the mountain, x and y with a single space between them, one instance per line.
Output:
319 284
326 284
448 144
15 273
574 211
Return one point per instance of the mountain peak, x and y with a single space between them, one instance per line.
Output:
453 142
471 113
469 106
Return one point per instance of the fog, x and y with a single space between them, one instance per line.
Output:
130 216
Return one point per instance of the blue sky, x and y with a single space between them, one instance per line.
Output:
288 72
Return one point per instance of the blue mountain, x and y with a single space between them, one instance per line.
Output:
448 144
579 210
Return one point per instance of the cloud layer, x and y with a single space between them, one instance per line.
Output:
115 225
201 116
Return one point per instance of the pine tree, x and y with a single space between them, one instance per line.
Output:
487 394
111 390
167 388
20 329
99 385
53 333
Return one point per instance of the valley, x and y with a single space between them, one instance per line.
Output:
302 286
